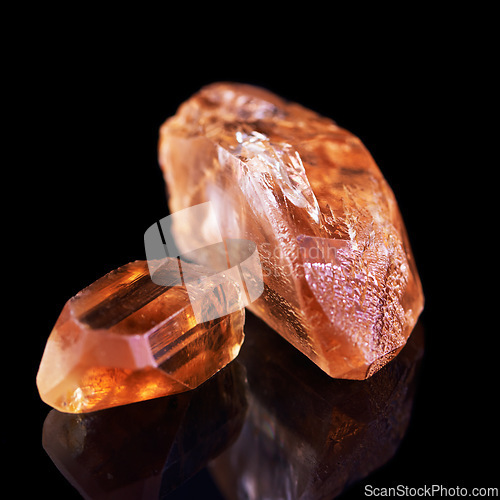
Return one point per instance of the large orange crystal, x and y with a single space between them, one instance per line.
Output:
340 280
125 339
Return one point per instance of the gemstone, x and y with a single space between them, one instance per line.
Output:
147 449
125 338
340 281
307 435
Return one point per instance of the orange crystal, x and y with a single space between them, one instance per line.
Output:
340 280
125 339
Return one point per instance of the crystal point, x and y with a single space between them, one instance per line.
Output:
341 283
125 339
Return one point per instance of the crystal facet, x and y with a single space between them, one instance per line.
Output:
125 339
340 280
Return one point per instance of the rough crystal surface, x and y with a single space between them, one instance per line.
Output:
125 339
340 280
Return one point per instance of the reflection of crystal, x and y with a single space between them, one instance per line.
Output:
125 339
340 281
307 435
141 450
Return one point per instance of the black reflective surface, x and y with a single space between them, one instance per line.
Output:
269 425
410 85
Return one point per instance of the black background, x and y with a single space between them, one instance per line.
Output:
91 185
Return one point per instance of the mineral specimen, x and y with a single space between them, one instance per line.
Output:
340 280
125 339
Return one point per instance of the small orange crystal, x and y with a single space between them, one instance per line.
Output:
340 280
125 339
